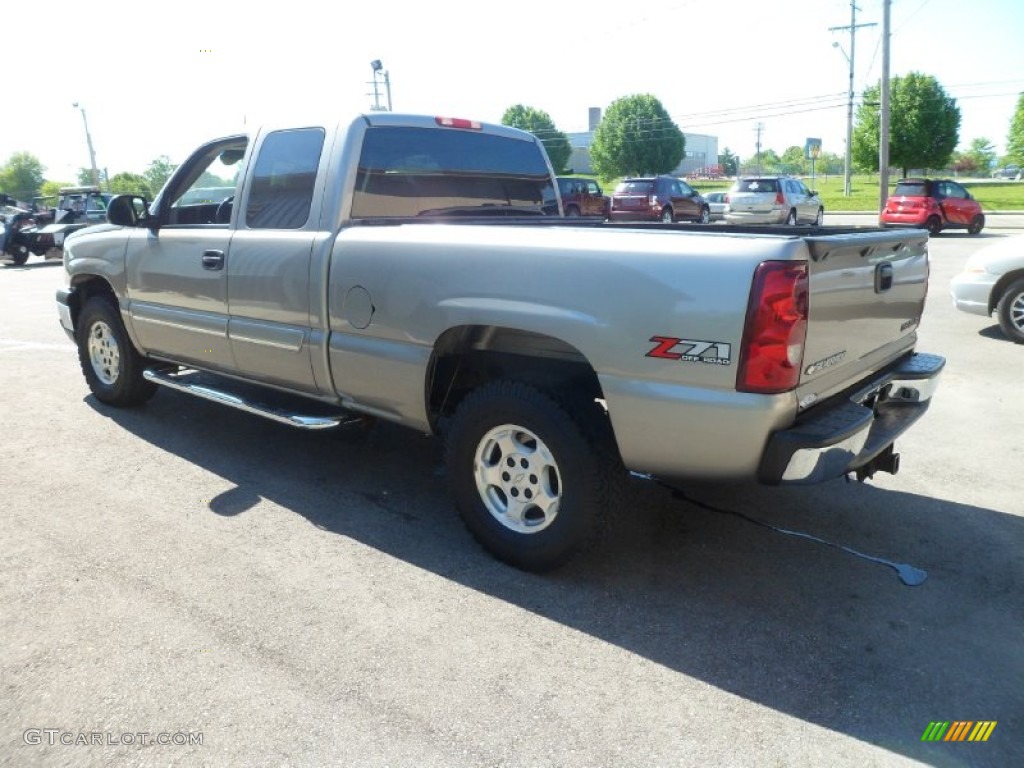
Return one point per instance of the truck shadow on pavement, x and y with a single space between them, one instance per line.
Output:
805 629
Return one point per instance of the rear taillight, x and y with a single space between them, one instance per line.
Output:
726 199
776 326
779 199
652 201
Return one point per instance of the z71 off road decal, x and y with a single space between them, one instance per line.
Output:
691 350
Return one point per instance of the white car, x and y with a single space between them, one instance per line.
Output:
993 281
716 204
773 200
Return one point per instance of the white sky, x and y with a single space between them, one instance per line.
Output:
161 78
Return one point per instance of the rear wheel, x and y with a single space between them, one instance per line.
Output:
111 365
533 480
572 212
791 218
1010 311
933 225
819 220
666 215
976 225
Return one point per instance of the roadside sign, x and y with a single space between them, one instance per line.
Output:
812 149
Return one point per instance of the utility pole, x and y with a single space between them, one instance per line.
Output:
759 128
883 130
853 27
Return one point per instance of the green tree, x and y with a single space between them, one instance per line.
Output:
924 125
636 136
981 155
158 172
729 161
50 190
768 162
130 184
21 176
1015 138
539 123
793 161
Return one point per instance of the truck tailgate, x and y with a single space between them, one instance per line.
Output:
867 293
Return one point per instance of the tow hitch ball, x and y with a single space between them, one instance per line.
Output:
887 461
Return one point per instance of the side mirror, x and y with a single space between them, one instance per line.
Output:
813 193
128 211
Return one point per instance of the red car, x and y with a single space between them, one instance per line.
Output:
657 198
932 204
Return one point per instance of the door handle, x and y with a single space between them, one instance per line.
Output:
213 260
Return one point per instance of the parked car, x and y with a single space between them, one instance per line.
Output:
717 204
658 198
932 204
773 200
582 197
993 281
1009 172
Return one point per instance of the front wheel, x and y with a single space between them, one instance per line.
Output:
111 365
705 216
572 212
1010 311
791 219
532 481
976 225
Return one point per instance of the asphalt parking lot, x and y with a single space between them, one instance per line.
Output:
254 596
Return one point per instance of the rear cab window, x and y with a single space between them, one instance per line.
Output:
408 172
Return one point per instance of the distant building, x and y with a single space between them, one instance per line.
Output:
700 158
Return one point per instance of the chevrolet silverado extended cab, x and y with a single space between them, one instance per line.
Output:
399 267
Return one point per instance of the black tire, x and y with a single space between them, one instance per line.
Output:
19 257
509 441
666 215
819 219
977 224
791 218
705 216
1010 311
572 212
111 365
933 225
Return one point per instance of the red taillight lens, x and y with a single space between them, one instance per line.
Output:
458 122
779 199
776 326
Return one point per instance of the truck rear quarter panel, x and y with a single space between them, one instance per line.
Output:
393 291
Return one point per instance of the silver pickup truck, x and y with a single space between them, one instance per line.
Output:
401 267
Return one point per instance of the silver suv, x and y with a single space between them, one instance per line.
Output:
773 200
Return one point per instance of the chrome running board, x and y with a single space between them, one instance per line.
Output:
178 379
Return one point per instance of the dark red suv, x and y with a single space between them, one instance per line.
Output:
582 197
658 198
932 204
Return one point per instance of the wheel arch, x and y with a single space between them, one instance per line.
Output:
85 287
468 356
1000 288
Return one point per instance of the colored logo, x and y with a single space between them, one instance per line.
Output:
959 730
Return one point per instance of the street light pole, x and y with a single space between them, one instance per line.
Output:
88 141
378 69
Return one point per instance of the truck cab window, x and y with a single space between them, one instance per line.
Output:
281 194
203 190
